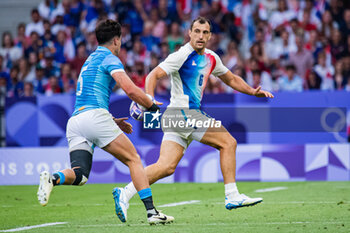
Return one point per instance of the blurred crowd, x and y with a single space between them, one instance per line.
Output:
281 45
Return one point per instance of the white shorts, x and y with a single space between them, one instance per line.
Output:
185 135
94 127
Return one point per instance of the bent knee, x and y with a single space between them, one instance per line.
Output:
133 159
166 169
228 143
170 170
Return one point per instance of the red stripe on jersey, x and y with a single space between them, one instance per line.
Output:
211 63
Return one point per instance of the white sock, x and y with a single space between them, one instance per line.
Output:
130 191
231 190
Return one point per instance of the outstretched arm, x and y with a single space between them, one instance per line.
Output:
134 92
152 78
237 83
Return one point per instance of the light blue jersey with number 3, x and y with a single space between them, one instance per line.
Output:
95 82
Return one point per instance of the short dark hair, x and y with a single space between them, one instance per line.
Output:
291 67
201 20
35 11
107 30
294 20
81 44
21 25
256 72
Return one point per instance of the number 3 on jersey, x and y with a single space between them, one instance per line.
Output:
80 81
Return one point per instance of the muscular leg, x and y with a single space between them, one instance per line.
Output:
222 140
124 150
170 155
69 176
81 161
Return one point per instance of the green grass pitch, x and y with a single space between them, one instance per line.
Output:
302 207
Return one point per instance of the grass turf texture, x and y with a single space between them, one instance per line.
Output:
303 207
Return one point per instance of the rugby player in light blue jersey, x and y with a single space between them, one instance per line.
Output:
189 69
92 125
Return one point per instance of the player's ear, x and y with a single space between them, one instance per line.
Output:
115 41
209 36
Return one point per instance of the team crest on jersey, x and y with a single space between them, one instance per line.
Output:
193 63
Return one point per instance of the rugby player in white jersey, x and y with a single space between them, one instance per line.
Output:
92 125
189 69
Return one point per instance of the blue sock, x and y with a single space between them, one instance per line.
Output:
144 193
146 197
58 175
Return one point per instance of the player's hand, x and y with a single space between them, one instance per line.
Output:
260 93
123 125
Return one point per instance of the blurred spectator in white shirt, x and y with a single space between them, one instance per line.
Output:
311 11
326 72
261 79
280 18
46 8
36 24
280 48
9 51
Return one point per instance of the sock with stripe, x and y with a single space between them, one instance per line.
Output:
146 197
56 176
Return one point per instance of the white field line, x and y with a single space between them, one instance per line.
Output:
194 202
209 224
32 227
305 202
290 202
53 205
180 203
67 205
270 189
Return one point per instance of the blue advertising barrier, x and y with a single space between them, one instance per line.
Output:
255 162
297 118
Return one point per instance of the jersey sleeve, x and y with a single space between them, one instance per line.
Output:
173 62
219 69
112 64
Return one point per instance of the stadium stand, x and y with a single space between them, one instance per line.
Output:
283 45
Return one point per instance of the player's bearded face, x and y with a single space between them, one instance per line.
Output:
200 35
